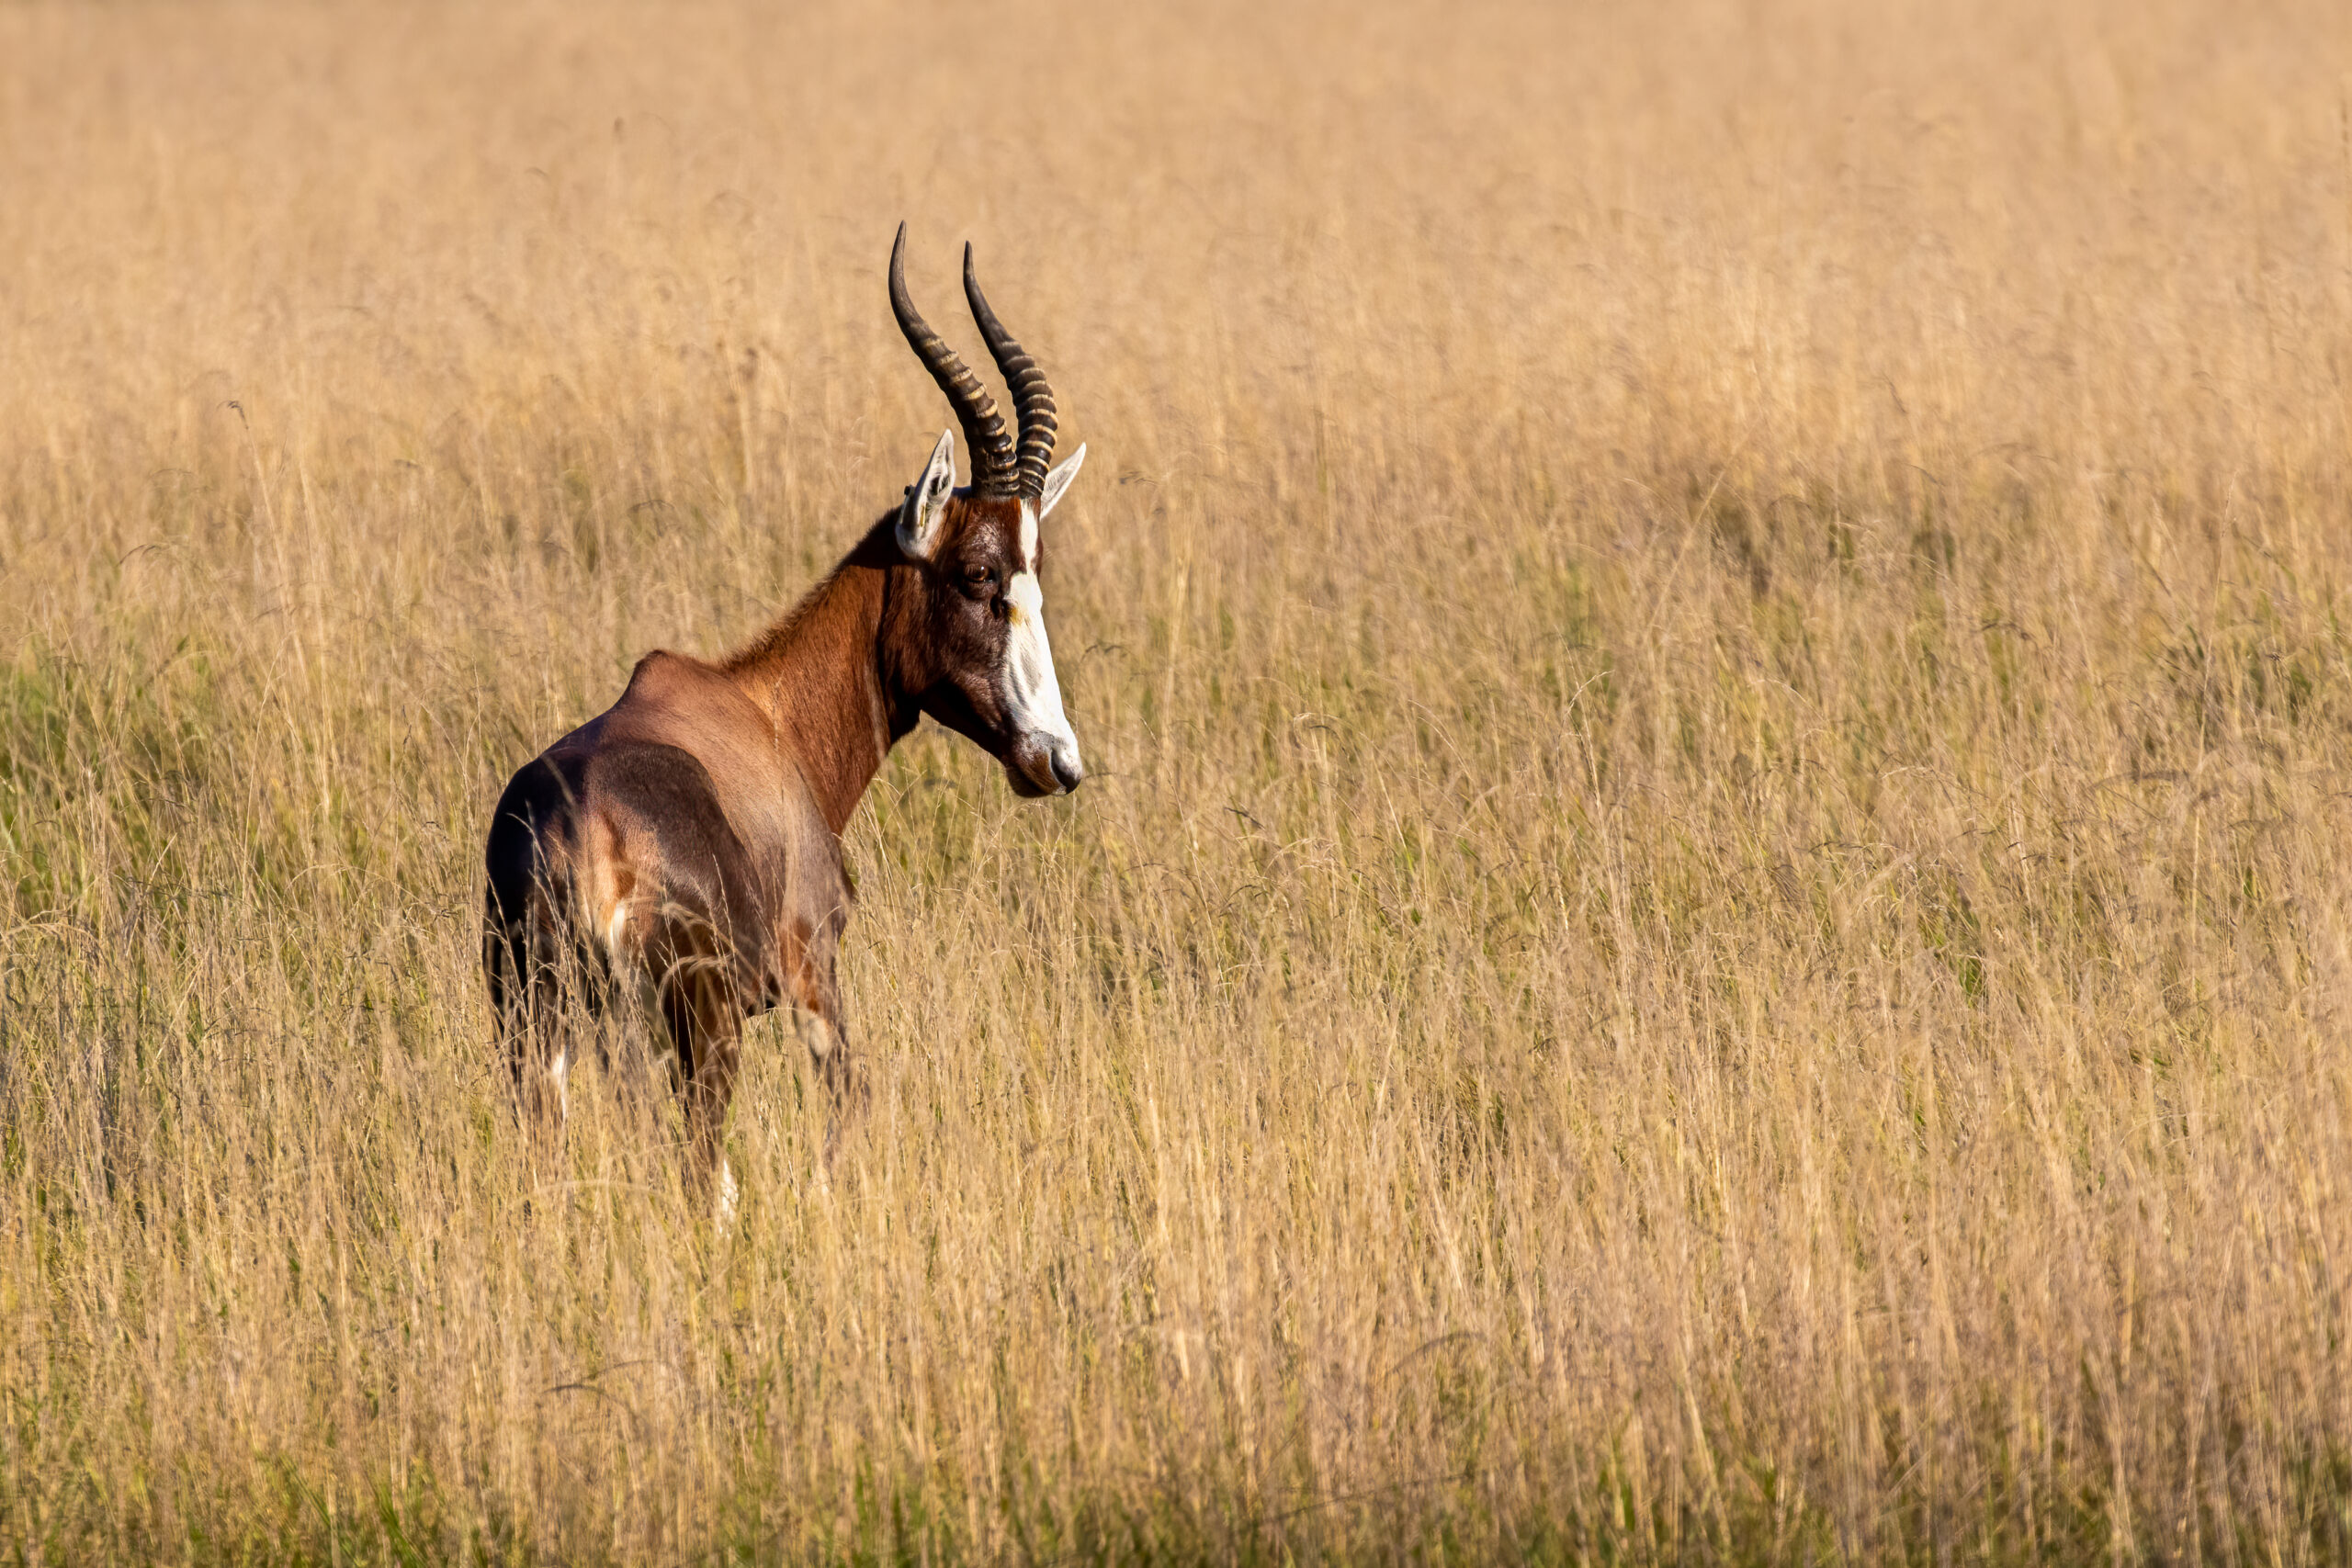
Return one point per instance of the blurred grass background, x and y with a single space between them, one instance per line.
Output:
1708 922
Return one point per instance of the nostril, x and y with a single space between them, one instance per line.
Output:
1068 771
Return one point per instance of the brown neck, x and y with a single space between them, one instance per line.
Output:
818 673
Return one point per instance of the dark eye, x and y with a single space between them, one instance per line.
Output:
979 576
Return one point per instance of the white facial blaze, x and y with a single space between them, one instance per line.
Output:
1036 695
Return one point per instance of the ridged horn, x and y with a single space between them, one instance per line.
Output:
993 464
1033 400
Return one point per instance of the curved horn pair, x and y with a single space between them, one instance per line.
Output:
998 468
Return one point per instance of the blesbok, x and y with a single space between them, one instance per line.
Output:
682 851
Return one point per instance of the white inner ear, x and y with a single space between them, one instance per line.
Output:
1058 480
926 503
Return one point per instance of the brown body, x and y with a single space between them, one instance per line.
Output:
682 848
682 851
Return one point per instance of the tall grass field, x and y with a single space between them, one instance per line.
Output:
1713 919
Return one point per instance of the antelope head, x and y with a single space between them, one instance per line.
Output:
969 615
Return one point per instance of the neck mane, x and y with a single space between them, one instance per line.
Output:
819 673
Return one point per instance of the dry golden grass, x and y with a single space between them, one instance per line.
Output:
1712 922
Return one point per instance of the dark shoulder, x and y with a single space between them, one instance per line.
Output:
675 699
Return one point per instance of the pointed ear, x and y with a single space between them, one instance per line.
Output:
1058 481
926 500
